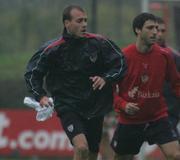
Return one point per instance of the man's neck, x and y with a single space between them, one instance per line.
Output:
143 48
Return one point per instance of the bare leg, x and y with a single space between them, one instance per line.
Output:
171 150
81 151
106 150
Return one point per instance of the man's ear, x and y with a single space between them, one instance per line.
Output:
66 23
137 31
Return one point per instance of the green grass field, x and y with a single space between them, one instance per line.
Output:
12 66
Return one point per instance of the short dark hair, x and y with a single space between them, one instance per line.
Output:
160 20
140 19
67 12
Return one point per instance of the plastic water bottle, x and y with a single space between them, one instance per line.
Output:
44 112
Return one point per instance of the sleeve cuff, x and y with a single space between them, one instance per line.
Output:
119 103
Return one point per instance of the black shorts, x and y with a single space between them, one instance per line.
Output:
74 124
128 139
174 122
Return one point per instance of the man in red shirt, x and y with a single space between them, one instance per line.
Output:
140 104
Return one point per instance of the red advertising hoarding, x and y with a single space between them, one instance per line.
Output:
21 133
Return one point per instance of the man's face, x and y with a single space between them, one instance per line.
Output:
77 25
148 32
161 34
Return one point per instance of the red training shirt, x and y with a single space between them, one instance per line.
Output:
144 82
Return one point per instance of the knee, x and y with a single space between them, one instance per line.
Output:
82 151
175 156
